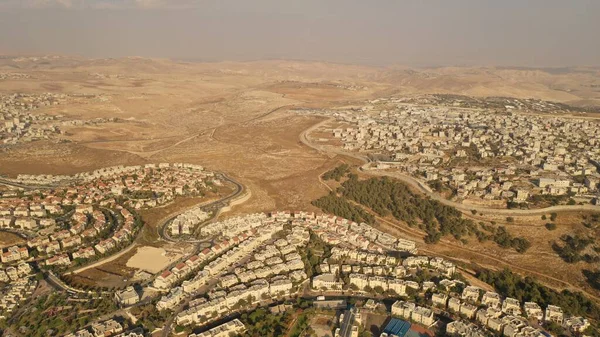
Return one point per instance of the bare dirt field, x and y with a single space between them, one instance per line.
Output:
375 322
114 274
152 259
9 239
322 324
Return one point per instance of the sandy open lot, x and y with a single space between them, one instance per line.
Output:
152 259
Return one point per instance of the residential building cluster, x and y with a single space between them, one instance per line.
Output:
15 293
18 124
223 257
21 123
185 223
90 214
15 273
496 104
14 76
481 155
363 271
506 316
411 311
258 259
108 328
231 328
339 231
220 302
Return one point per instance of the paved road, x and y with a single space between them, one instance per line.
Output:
105 260
202 290
347 323
213 207
11 183
58 284
422 187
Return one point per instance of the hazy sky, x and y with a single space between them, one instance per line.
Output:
380 32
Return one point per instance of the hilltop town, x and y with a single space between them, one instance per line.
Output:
501 156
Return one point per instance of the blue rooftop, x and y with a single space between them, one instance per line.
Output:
397 327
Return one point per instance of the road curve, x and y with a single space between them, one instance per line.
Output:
217 204
420 186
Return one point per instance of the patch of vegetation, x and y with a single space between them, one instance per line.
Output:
592 221
517 205
301 327
149 317
436 185
316 251
337 173
572 249
339 206
552 200
550 226
592 277
505 240
261 323
56 315
509 284
386 196
141 194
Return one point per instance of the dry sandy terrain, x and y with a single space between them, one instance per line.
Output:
9 239
234 118
152 259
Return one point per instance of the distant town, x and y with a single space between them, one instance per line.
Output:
519 157
20 124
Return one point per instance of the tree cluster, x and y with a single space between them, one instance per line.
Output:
527 289
592 277
339 206
386 196
261 323
571 249
505 240
337 173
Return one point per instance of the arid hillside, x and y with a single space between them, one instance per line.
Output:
232 116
